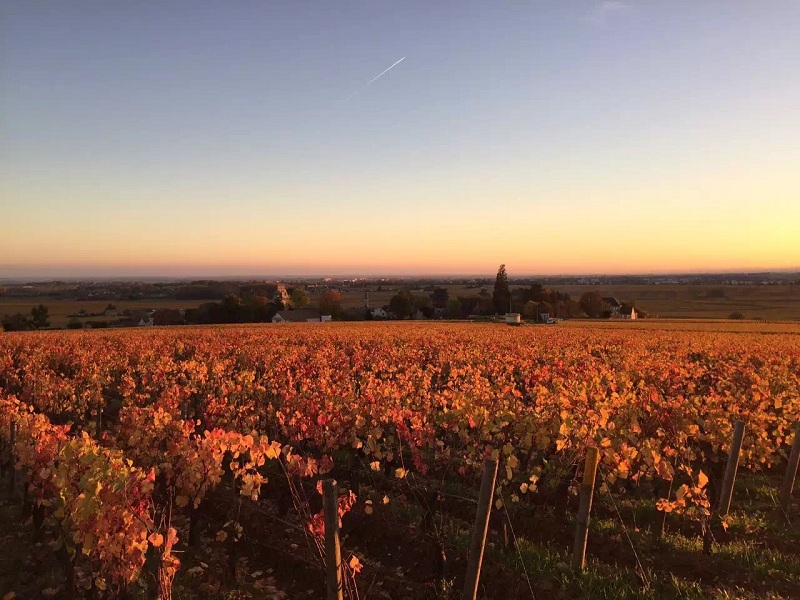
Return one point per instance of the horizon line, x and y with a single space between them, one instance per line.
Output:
51 277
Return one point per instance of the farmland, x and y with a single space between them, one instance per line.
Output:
668 301
207 445
60 310
767 302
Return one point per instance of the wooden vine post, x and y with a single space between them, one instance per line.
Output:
333 553
98 425
791 472
730 469
12 440
728 481
480 529
585 507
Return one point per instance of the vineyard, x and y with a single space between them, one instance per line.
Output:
190 462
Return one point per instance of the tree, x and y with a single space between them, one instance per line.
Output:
330 303
470 305
501 296
233 309
17 322
530 310
402 304
574 308
453 308
427 311
593 304
299 298
425 305
167 316
485 304
440 297
536 292
40 317
74 323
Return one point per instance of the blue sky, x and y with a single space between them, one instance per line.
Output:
200 137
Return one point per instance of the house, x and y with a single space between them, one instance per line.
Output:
513 318
145 322
613 304
382 312
627 312
301 315
110 312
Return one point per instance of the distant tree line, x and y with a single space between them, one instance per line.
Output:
531 301
248 307
259 303
234 309
38 318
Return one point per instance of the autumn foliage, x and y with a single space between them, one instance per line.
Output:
181 409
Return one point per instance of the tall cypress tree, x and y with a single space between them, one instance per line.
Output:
501 296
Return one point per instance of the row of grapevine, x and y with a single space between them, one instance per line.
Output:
113 500
428 398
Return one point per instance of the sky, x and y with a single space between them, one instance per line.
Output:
198 138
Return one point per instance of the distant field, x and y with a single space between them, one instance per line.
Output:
770 303
59 309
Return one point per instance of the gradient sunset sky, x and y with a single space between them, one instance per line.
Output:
241 138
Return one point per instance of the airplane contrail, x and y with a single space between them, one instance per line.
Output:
378 76
382 73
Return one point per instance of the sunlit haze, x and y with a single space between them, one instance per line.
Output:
191 138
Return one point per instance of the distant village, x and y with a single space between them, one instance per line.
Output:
141 303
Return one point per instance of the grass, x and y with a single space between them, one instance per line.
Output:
754 560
